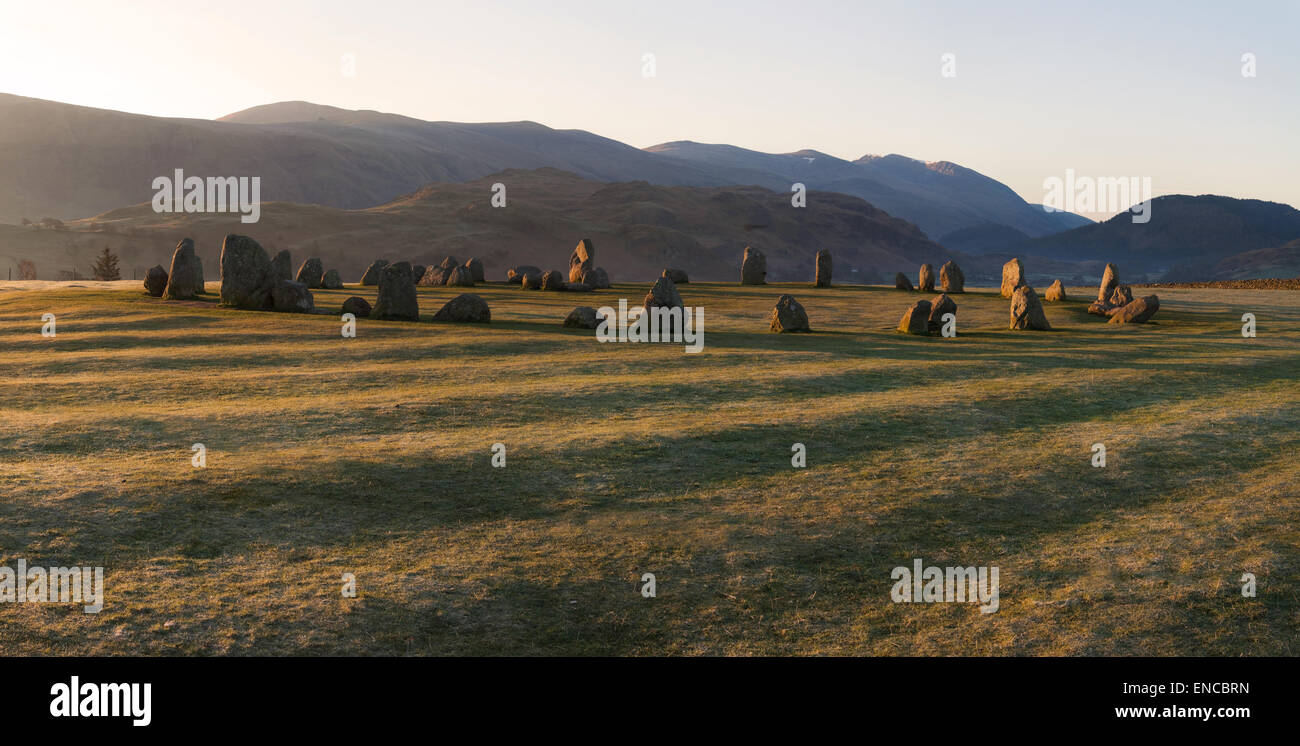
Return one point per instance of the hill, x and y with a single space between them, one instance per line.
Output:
1185 236
638 228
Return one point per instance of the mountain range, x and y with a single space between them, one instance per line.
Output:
66 161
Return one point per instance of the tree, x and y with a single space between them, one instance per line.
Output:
106 266
26 269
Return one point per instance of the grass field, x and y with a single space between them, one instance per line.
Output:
371 456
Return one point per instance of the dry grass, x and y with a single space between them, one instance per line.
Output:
371 456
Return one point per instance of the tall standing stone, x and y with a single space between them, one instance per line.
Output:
901 282
951 278
1013 277
311 272
397 298
475 266
371 277
182 280
331 280
1026 311
247 277
582 260
753 268
1109 281
282 266
823 277
925 281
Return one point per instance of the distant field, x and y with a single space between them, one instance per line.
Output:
371 456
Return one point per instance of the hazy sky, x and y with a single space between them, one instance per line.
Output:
1133 89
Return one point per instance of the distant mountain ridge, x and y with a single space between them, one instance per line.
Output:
67 161
1185 238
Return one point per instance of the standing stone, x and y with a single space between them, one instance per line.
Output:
440 274
553 280
925 282
582 317
310 273
938 307
1122 296
581 260
901 282
282 266
1109 281
1026 311
951 278
1055 292
155 281
460 276
664 295
182 280
917 318
1137 312
1013 277
789 316
515 275
291 296
418 271
371 277
357 306
753 268
596 278
467 308
475 267
397 298
532 281
678 276
246 274
822 278
331 280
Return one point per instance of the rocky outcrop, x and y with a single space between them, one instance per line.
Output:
1138 311
465 308
397 298
155 281
247 277
917 318
1027 311
311 272
789 316
582 260
371 277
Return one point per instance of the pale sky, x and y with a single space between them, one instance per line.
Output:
1131 89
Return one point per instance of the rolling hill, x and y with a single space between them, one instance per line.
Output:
638 228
